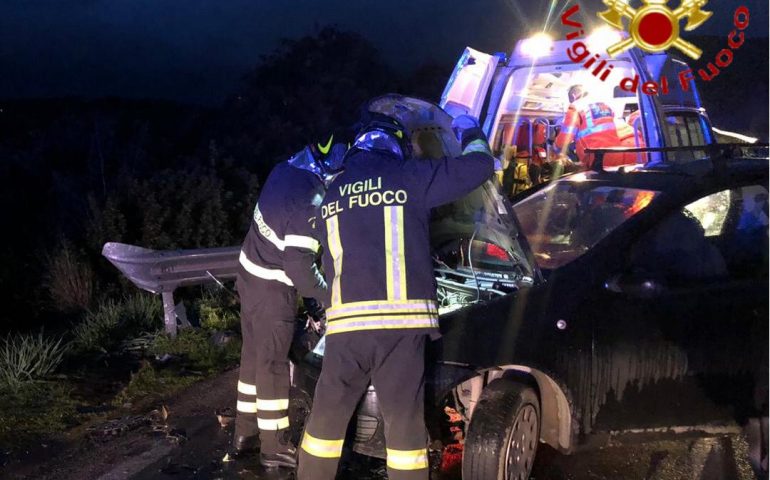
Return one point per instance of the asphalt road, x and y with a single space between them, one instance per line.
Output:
191 444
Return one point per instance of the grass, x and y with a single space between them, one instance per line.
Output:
34 410
26 358
197 351
150 385
114 322
70 281
218 310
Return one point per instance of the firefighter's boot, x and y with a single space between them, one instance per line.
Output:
285 455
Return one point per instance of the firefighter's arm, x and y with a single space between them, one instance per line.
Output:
448 179
301 254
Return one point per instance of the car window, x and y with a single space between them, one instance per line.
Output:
724 234
687 129
566 219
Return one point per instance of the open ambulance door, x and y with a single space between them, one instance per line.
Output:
467 87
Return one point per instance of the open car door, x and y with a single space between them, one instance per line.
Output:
467 87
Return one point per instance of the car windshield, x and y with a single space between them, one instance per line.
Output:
567 218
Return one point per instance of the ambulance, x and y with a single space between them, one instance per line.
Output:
521 99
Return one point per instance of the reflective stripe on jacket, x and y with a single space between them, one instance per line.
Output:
375 219
281 244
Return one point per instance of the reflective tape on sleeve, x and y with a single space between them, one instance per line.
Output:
298 241
322 448
266 231
477 146
269 424
301 241
262 272
246 407
272 405
407 459
246 388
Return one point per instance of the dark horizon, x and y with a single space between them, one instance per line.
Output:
146 50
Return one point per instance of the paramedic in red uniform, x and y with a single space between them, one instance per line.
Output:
383 300
278 262
591 124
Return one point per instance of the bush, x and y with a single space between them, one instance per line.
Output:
114 322
198 351
69 280
218 311
25 358
149 385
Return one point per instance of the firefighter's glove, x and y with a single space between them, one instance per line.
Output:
463 123
313 307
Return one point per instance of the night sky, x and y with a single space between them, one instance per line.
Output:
196 50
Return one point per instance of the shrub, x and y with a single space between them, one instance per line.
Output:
218 311
26 358
69 280
148 385
114 322
197 350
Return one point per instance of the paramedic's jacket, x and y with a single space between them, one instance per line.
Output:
281 244
373 225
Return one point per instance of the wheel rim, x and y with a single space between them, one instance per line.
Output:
522 444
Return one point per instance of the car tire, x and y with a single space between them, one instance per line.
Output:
503 434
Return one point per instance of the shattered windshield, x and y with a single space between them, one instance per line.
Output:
566 219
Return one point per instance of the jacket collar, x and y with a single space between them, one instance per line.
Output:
378 141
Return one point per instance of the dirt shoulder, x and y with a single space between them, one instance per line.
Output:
136 441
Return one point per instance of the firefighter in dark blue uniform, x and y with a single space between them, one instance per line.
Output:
374 223
278 262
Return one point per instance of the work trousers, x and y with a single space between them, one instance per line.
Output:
268 312
394 362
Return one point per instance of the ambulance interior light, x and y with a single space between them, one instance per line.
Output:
538 45
602 38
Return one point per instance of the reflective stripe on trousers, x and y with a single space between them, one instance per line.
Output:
407 459
322 448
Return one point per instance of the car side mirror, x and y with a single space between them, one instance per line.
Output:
636 285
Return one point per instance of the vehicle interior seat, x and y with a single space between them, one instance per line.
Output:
678 250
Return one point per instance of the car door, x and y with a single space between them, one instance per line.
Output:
467 87
681 338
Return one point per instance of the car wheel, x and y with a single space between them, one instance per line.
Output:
503 433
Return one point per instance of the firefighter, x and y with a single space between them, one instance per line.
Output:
517 177
278 262
590 124
383 301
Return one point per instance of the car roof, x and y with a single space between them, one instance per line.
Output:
678 180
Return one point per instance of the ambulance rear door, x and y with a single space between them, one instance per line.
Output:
467 88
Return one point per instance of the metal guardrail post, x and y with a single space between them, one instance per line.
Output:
169 313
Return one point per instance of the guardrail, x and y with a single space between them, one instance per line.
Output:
163 271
